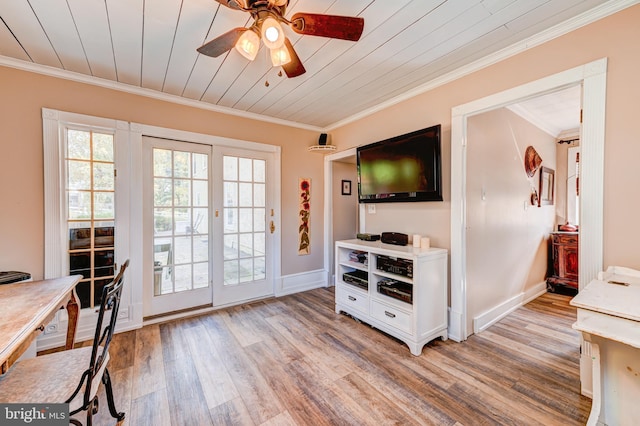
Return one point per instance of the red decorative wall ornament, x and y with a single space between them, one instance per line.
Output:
304 237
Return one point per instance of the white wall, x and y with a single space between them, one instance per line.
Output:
429 219
506 235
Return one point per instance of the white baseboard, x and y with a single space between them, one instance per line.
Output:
304 281
534 292
495 314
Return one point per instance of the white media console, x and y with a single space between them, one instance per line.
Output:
411 308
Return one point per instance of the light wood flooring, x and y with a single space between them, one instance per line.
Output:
294 361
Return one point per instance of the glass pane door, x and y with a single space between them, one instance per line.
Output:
177 190
244 219
245 227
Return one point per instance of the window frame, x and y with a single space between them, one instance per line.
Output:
56 263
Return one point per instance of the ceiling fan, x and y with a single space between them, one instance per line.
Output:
268 15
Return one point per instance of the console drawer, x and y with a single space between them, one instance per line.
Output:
392 316
352 298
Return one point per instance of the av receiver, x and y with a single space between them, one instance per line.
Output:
396 289
395 266
357 277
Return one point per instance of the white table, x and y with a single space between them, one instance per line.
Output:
609 318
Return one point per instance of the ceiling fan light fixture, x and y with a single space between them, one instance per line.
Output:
272 33
280 56
248 44
269 17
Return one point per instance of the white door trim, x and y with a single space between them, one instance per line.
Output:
593 77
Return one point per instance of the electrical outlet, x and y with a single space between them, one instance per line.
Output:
371 208
51 328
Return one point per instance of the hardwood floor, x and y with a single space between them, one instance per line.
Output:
294 361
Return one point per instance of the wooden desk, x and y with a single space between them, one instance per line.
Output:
25 310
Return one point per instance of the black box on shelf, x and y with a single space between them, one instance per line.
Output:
357 277
395 266
396 289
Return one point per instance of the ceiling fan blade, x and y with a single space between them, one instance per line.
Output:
295 67
221 44
342 27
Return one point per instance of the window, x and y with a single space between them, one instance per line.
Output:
86 206
90 210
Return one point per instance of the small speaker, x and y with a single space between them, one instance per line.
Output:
323 139
396 238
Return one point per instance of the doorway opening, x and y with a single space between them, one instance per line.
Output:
592 78
508 225
338 167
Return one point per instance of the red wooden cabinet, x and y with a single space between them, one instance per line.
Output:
564 256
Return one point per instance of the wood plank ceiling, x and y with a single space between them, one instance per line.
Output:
151 44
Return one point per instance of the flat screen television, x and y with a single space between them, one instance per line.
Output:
401 169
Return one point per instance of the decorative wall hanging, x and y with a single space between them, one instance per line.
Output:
532 161
346 187
547 176
304 243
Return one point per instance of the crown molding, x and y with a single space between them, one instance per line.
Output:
148 93
561 29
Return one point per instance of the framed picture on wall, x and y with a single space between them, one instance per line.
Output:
346 187
545 191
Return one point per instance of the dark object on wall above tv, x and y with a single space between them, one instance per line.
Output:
401 169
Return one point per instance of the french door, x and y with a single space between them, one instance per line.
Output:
244 226
208 225
177 244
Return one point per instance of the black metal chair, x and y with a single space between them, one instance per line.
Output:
63 377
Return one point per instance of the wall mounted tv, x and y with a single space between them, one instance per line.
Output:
401 169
